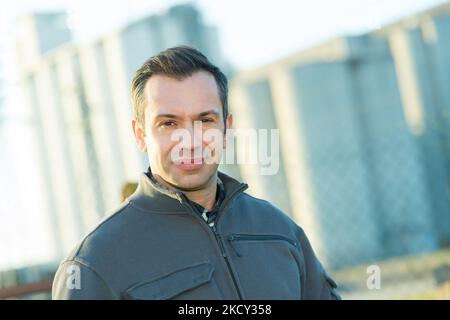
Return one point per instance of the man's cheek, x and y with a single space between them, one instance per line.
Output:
212 147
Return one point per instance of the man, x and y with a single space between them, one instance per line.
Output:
189 231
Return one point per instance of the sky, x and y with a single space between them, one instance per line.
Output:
273 28
252 33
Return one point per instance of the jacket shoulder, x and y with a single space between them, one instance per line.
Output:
100 236
264 210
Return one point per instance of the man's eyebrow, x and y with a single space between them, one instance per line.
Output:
166 115
201 114
209 112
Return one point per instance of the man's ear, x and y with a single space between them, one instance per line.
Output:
139 134
229 121
228 124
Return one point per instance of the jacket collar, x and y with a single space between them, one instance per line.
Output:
152 196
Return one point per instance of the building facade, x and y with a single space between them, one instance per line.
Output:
364 139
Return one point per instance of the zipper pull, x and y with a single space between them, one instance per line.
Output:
231 239
204 215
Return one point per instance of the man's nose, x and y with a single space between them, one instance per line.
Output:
195 133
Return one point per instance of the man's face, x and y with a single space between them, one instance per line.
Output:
180 117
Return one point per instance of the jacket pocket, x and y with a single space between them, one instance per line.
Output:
258 237
187 281
266 264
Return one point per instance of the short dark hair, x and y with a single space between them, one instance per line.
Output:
178 62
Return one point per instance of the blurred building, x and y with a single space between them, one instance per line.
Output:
364 130
82 110
363 121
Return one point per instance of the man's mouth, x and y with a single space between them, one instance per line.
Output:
189 164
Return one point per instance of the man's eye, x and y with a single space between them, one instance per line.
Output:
168 123
206 120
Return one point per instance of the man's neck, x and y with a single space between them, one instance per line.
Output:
206 197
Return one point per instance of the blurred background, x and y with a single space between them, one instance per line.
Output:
359 89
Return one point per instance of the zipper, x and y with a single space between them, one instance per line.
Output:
222 208
217 235
261 237
224 255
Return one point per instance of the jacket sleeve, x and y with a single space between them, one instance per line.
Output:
76 281
316 283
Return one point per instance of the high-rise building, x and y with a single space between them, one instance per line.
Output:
363 123
364 139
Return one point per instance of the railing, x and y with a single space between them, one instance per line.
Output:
44 286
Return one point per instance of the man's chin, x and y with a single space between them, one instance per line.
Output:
190 181
189 184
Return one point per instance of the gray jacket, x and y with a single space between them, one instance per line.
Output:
155 246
